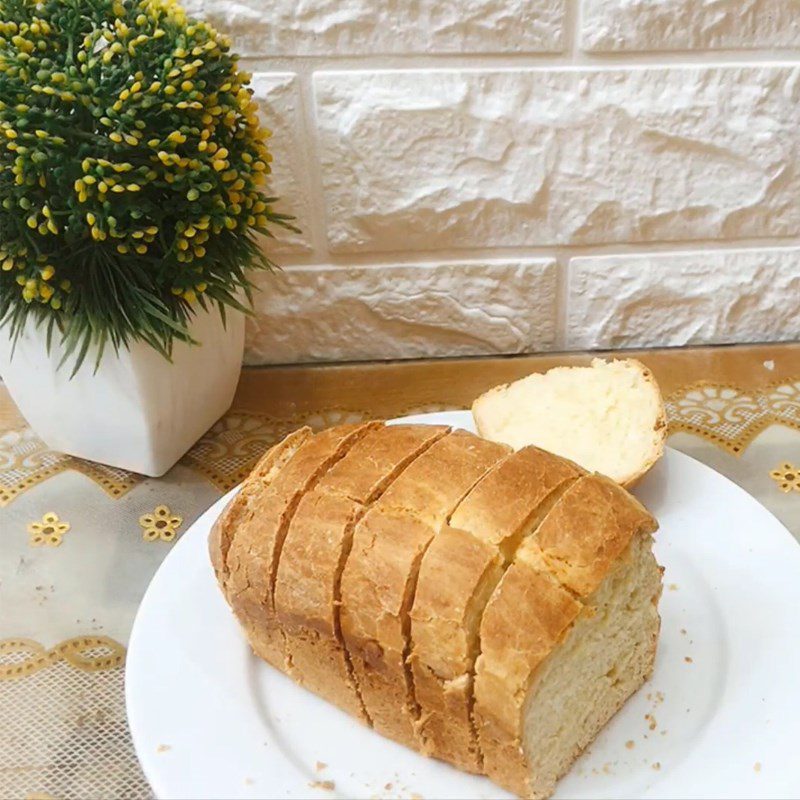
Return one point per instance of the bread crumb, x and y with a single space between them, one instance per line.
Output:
688 659
757 766
770 365
683 631
630 744
656 765
651 720
387 786
328 786
162 748
659 698
607 768
320 765
673 587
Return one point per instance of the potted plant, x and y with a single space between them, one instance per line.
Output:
132 175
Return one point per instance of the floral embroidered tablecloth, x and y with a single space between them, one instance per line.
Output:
79 542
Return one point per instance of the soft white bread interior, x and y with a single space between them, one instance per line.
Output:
604 659
608 417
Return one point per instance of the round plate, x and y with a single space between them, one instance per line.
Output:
719 718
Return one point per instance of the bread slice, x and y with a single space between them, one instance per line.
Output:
609 417
308 585
586 585
264 472
255 549
380 577
460 570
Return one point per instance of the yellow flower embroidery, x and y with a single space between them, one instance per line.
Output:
787 476
161 524
48 531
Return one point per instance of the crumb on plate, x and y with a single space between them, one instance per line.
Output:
328 786
162 748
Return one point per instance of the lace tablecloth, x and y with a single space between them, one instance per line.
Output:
79 542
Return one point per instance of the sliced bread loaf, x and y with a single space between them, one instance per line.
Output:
608 417
489 608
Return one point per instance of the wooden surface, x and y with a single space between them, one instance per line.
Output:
391 388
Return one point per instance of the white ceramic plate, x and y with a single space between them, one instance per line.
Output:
719 719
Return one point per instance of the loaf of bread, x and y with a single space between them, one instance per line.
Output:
608 417
489 607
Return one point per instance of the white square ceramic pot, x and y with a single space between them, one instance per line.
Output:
139 411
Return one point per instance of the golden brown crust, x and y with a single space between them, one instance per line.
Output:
308 582
256 546
587 531
379 579
264 472
473 550
510 655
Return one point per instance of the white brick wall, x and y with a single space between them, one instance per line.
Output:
504 176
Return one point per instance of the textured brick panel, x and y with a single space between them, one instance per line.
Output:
707 297
452 159
279 101
360 27
403 311
689 24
